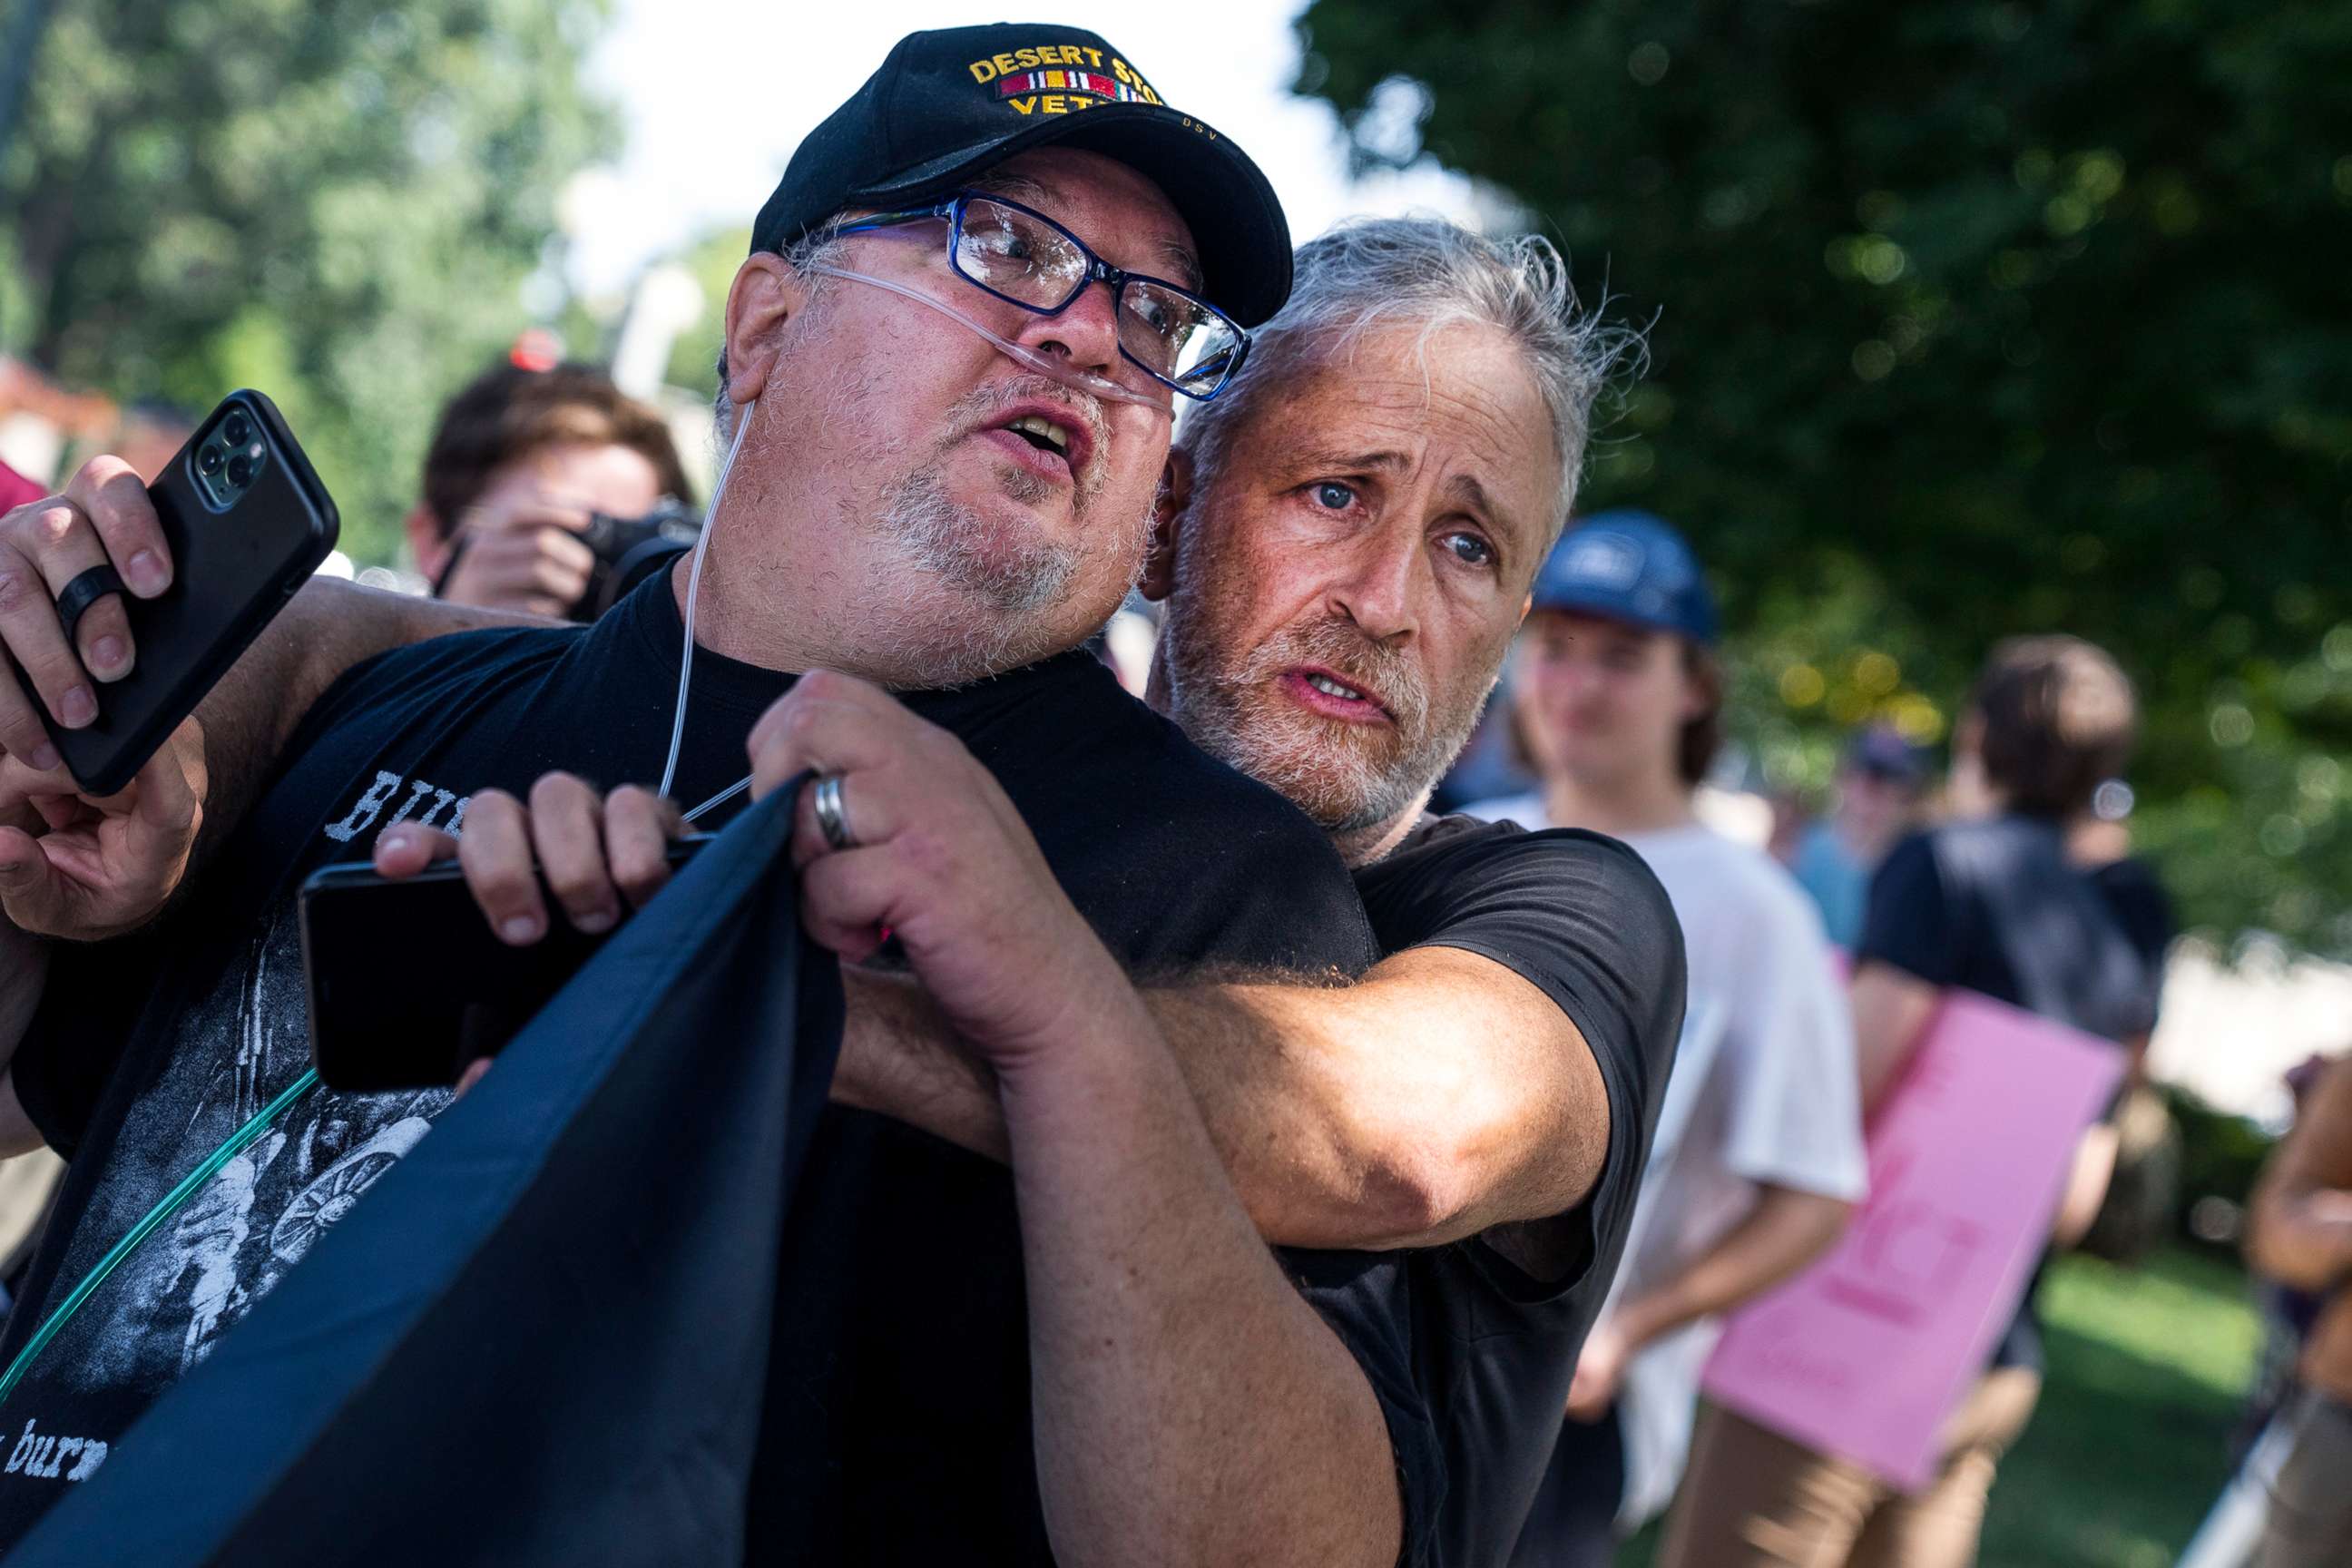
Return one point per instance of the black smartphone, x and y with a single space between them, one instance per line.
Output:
248 521
373 1029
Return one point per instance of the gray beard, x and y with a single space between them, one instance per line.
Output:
1006 597
1308 760
938 534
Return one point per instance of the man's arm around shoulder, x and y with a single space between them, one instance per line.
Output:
1440 1096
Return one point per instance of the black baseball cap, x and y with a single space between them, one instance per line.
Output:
951 104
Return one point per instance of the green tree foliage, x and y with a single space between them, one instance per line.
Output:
1969 319
335 202
712 261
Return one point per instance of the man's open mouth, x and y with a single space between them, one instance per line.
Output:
1043 434
1327 693
1057 441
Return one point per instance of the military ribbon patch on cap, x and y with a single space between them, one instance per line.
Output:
1058 79
1087 82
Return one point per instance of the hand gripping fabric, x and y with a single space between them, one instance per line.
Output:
541 1338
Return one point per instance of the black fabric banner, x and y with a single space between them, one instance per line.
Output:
543 1338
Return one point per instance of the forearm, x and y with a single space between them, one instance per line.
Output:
1190 1407
326 628
899 1059
2301 1230
1785 1231
1441 1096
2302 1239
2087 1180
1891 1009
1386 1114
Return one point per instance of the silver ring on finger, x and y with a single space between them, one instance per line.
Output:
832 812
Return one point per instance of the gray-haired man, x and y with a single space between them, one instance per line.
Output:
1348 559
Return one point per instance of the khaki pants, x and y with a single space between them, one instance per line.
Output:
1753 1498
2310 1523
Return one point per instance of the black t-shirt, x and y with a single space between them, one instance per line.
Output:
900 1357
1499 1318
1994 906
2136 897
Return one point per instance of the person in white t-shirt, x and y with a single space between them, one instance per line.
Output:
1759 1155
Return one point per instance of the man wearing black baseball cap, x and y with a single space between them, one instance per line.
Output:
945 440
950 105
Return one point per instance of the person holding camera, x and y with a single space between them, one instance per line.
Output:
1346 554
542 490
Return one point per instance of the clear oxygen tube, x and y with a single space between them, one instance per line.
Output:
1044 364
693 591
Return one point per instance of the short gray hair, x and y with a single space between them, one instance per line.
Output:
1370 272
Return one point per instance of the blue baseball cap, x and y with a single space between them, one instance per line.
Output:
1631 566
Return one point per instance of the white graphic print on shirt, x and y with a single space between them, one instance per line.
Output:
231 1053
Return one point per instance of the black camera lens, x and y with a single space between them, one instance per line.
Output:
240 469
237 429
208 461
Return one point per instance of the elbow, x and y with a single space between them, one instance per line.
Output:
1417 1191
1430 1168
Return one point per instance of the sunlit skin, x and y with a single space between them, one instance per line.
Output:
1375 521
862 392
555 486
1600 705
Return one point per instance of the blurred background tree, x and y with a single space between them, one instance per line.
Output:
1968 319
347 205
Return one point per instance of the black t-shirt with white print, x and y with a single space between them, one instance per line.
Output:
1499 1319
900 1334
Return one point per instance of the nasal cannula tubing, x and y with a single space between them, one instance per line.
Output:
253 1128
1045 364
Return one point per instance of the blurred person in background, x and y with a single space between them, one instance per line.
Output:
1990 902
2099 841
1878 788
521 463
1757 1158
2300 1236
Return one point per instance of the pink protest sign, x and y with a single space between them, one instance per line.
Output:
1864 1354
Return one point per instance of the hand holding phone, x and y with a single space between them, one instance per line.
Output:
121 605
591 857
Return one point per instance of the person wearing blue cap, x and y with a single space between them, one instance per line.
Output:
1879 783
1757 1160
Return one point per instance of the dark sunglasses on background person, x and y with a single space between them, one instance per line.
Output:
1026 258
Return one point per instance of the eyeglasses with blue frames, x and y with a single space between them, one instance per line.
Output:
1026 258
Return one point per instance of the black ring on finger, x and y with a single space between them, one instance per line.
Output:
83 592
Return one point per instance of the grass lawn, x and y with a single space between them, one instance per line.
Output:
2131 1441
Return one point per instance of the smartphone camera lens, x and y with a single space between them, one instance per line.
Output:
209 460
237 429
240 469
